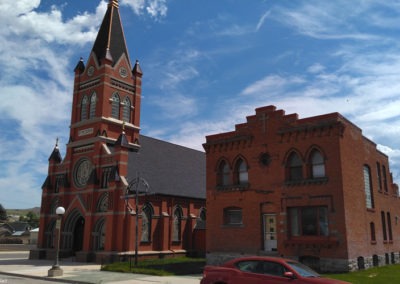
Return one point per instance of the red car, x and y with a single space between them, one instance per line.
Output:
263 270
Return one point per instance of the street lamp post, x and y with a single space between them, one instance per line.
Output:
56 270
135 193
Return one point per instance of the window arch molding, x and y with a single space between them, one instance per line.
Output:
240 170
223 170
316 162
294 163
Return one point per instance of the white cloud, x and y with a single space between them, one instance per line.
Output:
36 87
156 9
262 20
271 85
326 20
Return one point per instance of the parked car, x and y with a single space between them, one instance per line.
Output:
263 270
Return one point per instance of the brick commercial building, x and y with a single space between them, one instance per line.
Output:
107 163
314 189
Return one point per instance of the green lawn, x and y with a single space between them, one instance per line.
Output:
160 267
389 274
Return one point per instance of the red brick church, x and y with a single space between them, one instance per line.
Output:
313 189
109 166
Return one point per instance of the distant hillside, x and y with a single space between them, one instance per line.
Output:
23 212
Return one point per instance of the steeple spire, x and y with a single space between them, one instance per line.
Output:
110 42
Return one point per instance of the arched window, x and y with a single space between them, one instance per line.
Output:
147 213
126 110
203 214
84 105
294 167
383 219
317 164
92 110
223 173
389 222
102 205
176 225
99 234
372 231
242 175
369 198
115 105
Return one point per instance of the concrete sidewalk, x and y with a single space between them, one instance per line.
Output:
17 263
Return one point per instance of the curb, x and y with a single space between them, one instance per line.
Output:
44 278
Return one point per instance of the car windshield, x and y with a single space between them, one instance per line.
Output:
303 270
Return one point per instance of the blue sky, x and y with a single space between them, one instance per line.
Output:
207 65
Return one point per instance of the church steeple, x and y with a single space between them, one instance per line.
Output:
107 89
110 42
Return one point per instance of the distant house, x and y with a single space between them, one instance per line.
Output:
14 231
33 238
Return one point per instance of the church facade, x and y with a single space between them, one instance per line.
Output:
122 192
313 189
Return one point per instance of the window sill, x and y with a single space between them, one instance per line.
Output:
312 240
322 180
232 226
372 210
233 187
373 242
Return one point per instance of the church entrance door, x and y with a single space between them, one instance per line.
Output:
269 232
78 234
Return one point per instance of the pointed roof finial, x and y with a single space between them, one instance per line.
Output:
136 69
113 3
56 143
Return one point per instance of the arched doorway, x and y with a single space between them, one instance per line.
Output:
78 234
73 233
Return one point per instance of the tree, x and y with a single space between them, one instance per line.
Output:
3 213
33 219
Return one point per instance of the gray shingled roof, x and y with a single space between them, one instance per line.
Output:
168 168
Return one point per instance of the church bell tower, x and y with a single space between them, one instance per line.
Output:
105 124
107 90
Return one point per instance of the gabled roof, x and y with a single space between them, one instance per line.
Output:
110 41
168 168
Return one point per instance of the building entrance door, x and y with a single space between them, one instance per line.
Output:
270 235
78 234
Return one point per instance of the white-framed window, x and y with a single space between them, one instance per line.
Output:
92 109
115 105
126 110
317 165
84 107
369 197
